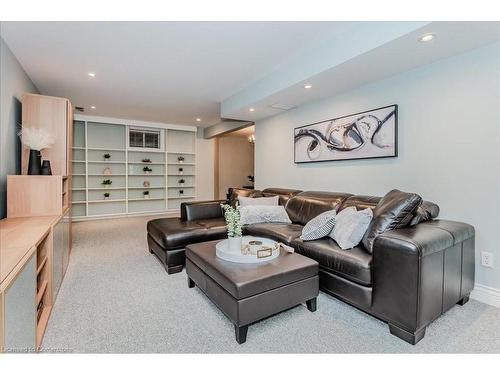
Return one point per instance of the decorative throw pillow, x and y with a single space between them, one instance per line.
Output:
264 201
351 226
394 210
263 214
319 227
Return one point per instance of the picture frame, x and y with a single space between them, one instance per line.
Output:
368 134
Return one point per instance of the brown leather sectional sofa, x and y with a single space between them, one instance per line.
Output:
414 274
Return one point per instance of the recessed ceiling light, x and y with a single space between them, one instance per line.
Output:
308 86
198 119
92 107
252 109
91 74
427 37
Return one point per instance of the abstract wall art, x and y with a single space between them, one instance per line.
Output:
364 135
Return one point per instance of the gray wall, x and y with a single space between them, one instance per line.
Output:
449 144
13 83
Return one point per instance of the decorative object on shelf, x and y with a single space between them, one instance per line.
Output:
106 183
146 184
106 195
232 217
46 170
364 135
107 157
181 182
181 171
147 170
180 159
181 192
107 171
36 140
146 194
147 160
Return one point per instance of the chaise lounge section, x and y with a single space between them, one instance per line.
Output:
413 275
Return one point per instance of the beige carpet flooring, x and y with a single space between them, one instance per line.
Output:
117 298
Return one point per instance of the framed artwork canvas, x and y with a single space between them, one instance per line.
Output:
363 135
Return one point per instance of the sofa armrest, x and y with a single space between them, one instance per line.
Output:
422 271
202 210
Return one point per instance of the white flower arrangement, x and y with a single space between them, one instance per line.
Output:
232 217
36 138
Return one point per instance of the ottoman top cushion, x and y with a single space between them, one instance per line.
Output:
246 280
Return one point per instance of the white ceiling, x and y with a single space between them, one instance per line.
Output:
175 72
169 72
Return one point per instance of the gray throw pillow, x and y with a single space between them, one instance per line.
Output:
319 227
263 214
351 226
394 210
260 201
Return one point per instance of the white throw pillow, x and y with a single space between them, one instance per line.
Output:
319 227
262 201
263 214
351 226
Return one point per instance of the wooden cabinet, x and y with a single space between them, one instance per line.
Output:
66 248
57 257
56 116
20 310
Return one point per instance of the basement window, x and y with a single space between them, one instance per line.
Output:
144 138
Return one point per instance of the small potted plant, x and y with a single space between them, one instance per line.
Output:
147 160
232 217
107 183
147 170
180 159
181 171
181 192
106 195
145 194
107 157
181 182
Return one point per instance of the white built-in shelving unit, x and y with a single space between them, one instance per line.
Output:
93 137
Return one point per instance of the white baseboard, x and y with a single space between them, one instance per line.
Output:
486 294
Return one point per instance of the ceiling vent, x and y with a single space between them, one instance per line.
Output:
80 109
282 107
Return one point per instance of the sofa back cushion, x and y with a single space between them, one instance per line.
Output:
425 212
306 205
259 201
283 194
361 202
395 210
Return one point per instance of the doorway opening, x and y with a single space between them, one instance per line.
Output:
234 161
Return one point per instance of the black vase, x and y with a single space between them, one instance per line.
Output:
46 170
35 162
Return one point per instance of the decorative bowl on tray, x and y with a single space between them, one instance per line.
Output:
253 250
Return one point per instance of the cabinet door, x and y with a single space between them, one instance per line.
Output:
57 258
66 241
20 310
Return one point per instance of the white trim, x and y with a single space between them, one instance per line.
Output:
168 213
486 294
129 122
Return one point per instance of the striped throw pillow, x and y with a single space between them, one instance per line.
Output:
319 227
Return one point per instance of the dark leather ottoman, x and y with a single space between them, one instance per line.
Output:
247 293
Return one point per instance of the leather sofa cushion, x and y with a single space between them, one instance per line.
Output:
246 280
172 233
425 212
283 194
234 193
361 202
395 210
279 232
354 264
309 204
